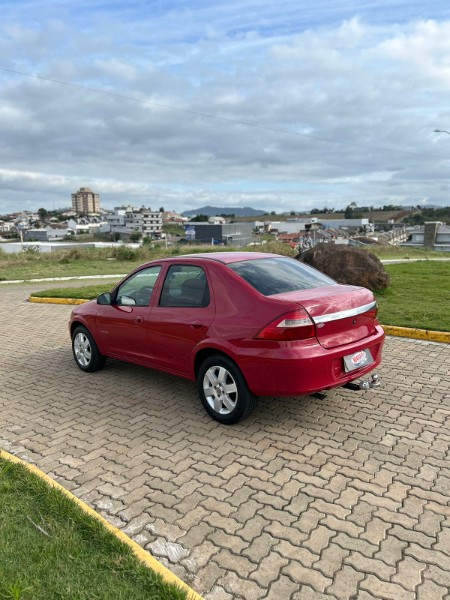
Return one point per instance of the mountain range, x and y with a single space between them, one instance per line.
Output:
212 211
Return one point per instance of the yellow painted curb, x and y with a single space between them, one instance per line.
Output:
139 552
56 300
418 334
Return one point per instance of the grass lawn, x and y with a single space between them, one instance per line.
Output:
50 549
418 296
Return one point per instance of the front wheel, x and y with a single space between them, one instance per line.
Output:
85 351
223 390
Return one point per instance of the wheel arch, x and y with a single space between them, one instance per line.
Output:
205 353
76 324
227 406
89 327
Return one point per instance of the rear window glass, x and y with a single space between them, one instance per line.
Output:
272 276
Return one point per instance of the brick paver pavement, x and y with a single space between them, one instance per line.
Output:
343 498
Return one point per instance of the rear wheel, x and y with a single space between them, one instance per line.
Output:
85 351
223 390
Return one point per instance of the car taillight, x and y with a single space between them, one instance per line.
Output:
295 325
372 313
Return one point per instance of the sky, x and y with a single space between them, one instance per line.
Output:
283 106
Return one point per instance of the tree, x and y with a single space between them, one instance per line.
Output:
42 212
199 219
135 237
161 209
351 213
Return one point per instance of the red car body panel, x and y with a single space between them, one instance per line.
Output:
172 338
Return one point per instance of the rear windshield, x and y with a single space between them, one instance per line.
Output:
272 276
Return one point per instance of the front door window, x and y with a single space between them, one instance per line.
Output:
137 290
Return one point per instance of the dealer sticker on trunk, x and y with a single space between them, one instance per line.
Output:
359 359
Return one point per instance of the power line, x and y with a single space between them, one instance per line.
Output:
215 117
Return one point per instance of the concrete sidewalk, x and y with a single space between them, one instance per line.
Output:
340 498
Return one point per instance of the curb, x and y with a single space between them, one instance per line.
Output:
407 332
56 300
418 334
138 551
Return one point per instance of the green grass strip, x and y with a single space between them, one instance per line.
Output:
49 548
88 292
418 296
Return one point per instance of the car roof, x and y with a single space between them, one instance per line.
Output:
226 257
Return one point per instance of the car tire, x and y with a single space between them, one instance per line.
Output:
223 390
85 351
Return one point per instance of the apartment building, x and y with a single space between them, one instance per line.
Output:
85 201
128 220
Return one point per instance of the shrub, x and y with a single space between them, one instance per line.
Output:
31 249
125 253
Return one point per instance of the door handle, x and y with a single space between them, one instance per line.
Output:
196 324
139 319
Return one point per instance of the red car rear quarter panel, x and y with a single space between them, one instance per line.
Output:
241 311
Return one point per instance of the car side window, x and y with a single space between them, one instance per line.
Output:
137 290
185 285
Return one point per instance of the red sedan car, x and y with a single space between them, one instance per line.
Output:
242 324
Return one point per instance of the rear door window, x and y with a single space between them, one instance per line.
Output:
185 286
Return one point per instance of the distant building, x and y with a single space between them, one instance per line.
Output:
128 220
357 224
227 234
47 234
290 238
6 226
293 226
171 217
88 225
85 201
433 235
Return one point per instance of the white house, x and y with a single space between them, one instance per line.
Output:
89 225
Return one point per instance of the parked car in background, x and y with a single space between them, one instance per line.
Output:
241 324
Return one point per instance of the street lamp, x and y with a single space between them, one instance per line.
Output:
441 131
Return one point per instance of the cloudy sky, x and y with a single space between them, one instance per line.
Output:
282 106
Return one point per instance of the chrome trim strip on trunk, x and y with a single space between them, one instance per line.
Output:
343 314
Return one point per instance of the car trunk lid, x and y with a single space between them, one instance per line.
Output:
342 314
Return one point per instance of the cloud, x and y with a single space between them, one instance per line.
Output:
304 109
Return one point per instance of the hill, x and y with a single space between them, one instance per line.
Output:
212 211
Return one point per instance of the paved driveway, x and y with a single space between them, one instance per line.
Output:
342 498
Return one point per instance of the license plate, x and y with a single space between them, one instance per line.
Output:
359 359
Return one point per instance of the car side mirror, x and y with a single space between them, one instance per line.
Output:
104 298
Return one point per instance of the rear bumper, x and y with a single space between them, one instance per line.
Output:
299 368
